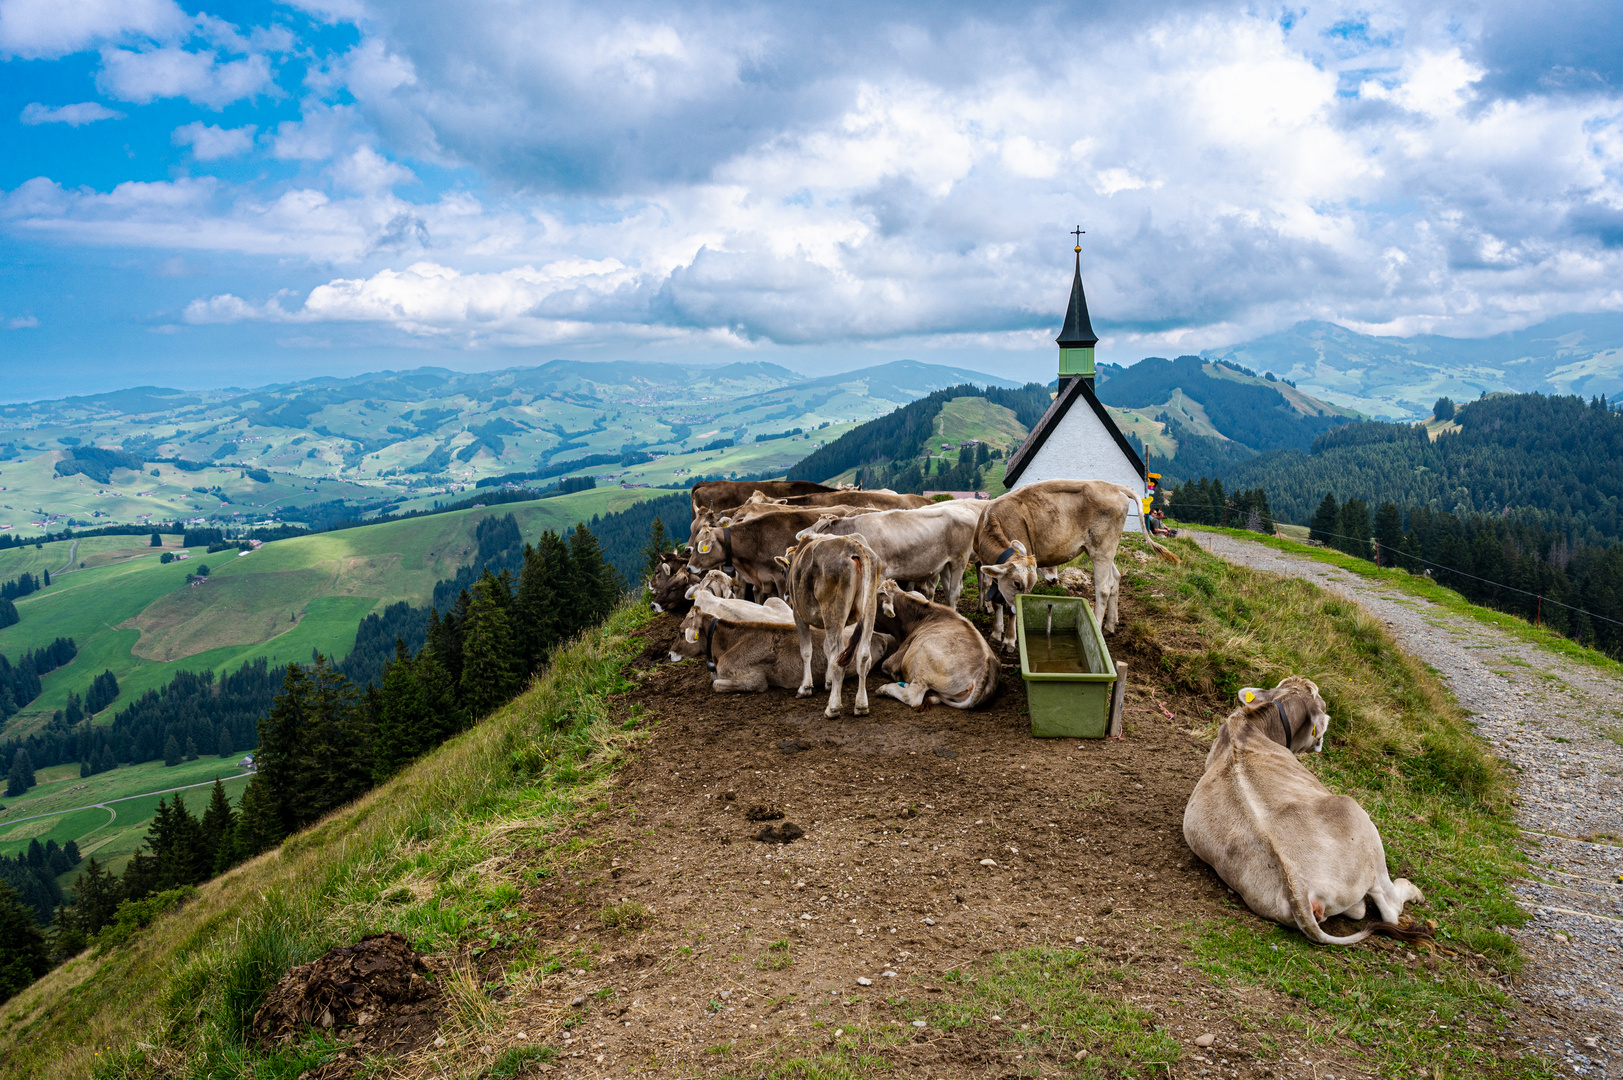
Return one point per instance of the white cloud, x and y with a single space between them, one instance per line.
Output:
85 112
36 29
211 142
22 322
200 77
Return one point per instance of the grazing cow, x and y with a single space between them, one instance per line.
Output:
671 583
919 546
1047 524
751 541
1293 851
718 496
942 659
833 582
750 656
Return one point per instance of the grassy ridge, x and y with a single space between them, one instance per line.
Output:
422 855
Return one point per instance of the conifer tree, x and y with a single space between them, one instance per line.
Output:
654 550
259 824
67 934
592 586
223 746
1326 521
105 761
282 735
403 725
538 610
22 947
336 759
140 875
442 713
489 660
47 579
96 896
219 820
171 752
1389 532
444 637
156 541
1355 530
191 749
21 777
71 850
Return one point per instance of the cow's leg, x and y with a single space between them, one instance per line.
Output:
864 662
1356 911
1390 896
997 623
911 695
804 633
836 673
953 577
748 681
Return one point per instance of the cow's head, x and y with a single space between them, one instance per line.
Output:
717 582
888 589
709 548
691 641
1014 573
820 528
671 591
1297 703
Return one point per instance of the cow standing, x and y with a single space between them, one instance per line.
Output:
1045 525
833 582
718 496
751 543
922 546
1295 853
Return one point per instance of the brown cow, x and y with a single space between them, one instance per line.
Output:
1047 524
670 583
942 659
1293 851
750 656
833 582
873 500
718 496
751 538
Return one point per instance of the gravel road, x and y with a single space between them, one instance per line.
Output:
1556 723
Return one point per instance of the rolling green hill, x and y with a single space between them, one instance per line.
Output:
141 620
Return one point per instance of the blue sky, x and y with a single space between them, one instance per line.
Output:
227 194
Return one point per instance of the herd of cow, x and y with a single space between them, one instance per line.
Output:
776 571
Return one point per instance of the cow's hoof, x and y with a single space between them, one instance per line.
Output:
832 714
859 712
803 692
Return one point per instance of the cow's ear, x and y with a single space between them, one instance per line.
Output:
997 570
1251 695
689 594
1018 546
781 560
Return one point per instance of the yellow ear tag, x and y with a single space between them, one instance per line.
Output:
1250 696
691 635
704 549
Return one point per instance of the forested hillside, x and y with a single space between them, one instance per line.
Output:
893 450
1556 462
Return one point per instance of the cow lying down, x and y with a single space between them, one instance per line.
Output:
1293 851
750 655
942 659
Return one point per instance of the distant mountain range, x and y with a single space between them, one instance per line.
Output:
399 439
1400 378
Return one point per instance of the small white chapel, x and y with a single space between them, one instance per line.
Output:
1076 439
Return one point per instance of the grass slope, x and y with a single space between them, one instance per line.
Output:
430 855
139 619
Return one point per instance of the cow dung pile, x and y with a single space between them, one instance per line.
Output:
373 992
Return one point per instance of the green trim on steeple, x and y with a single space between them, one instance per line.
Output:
1076 362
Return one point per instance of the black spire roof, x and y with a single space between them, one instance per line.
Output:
1078 332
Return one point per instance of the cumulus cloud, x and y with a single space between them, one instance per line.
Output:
211 142
200 77
880 174
44 29
22 322
85 112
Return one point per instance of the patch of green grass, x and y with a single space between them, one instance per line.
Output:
1402 1018
624 917
516 1061
777 956
1427 589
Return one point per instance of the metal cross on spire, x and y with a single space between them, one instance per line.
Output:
1079 234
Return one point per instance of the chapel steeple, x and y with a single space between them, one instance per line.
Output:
1077 339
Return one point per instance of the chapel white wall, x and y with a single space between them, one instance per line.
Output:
1081 449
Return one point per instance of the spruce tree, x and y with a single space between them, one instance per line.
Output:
654 551
105 762
171 752
402 722
490 665
1326 521
443 715
156 541
47 579
592 586
223 743
96 896
215 829
68 935
337 756
1389 532
71 850
191 749
259 823
540 619
22 947
20 779
1355 528
282 735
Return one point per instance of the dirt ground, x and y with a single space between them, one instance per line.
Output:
889 884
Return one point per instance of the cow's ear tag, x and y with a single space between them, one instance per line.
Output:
1248 696
704 549
691 635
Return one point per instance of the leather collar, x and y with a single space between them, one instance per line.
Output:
1286 724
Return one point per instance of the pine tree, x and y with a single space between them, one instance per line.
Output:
335 761
223 744
105 762
171 752
156 541
96 896
22 947
490 665
282 735
443 715
538 609
259 823
654 550
67 933
444 637
216 827
47 579
21 777
1355 528
403 725
71 850
1389 532
592 586
1326 521
36 854
75 711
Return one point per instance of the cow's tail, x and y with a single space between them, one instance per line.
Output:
867 588
1308 923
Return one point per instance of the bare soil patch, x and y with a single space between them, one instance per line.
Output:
936 845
